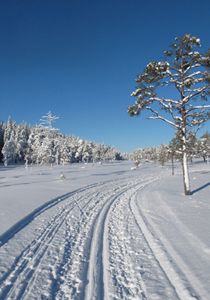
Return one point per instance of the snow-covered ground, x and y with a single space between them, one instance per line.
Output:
104 232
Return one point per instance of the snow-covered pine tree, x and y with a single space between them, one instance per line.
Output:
48 152
163 154
9 129
87 152
175 148
29 155
186 71
8 151
21 141
9 147
191 146
1 140
79 151
48 120
137 156
203 146
64 156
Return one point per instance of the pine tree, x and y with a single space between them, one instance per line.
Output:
9 129
1 140
163 154
9 147
204 146
185 72
48 120
8 151
21 139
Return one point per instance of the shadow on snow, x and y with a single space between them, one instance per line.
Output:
200 188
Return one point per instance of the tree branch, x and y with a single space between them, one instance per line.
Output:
187 98
156 115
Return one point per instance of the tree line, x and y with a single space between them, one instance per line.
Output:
44 144
195 147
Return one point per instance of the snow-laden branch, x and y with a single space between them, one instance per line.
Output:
201 90
164 105
192 67
156 115
162 100
198 107
171 74
194 74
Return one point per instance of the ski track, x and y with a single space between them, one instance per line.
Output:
97 275
17 282
25 265
183 285
5 237
127 283
23 269
94 245
85 250
135 272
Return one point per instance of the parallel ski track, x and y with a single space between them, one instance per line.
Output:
78 244
123 279
14 284
6 236
98 272
160 254
19 276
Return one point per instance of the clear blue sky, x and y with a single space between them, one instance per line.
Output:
80 58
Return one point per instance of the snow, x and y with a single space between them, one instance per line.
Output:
110 231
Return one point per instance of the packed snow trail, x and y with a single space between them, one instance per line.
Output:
92 243
68 258
4 238
21 272
15 281
188 284
98 258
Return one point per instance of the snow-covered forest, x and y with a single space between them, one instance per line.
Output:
44 144
196 148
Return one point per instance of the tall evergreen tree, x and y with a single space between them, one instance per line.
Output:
185 72
1 140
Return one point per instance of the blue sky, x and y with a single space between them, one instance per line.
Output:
80 58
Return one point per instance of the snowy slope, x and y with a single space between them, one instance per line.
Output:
103 232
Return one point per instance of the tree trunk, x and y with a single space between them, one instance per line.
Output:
172 164
186 179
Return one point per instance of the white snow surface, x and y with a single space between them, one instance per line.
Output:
110 231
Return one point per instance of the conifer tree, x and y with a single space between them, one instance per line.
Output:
1 140
185 72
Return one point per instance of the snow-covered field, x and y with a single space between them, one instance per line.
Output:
104 232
